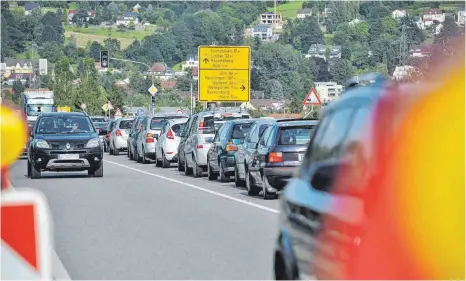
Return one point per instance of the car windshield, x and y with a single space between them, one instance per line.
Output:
101 125
126 124
296 135
64 125
157 123
36 109
240 131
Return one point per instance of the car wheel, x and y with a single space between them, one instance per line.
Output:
110 150
99 172
238 182
252 190
180 167
116 151
197 171
165 162
187 170
127 152
158 163
210 174
266 195
35 173
223 177
143 158
28 169
105 147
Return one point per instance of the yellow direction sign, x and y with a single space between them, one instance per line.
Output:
63 109
224 73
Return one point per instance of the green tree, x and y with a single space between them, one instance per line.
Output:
89 91
341 70
52 51
132 25
63 83
116 96
94 50
274 90
449 30
18 90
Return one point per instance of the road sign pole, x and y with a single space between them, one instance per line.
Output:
191 100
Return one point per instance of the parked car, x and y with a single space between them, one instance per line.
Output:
101 119
133 136
248 147
278 155
166 147
64 141
151 127
119 135
197 138
221 155
345 135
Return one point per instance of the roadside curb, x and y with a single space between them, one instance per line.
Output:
58 270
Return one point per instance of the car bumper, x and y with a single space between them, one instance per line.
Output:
120 143
228 163
172 157
49 160
278 177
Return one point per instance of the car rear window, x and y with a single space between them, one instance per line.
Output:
177 128
98 119
240 131
157 123
126 124
296 135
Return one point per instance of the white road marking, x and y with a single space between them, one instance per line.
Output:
271 210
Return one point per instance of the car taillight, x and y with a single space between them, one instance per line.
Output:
275 157
170 134
118 133
199 146
231 147
149 138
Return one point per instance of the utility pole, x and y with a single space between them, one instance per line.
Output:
191 100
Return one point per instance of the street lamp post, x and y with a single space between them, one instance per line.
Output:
138 62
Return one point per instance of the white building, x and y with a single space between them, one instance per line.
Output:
399 14
303 13
191 61
461 18
328 91
431 15
263 31
127 18
271 18
402 72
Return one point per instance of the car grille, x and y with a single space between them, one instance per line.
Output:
67 152
62 145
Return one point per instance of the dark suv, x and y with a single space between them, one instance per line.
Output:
64 141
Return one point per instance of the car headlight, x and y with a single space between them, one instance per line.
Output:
42 144
93 143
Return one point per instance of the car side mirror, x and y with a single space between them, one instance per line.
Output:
156 136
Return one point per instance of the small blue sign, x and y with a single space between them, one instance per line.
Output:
140 112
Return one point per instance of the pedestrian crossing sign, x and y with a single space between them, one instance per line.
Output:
312 98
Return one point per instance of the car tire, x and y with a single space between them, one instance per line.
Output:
165 162
110 150
28 169
158 163
35 173
197 171
266 195
116 151
187 171
210 174
252 190
143 158
99 172
238 182
180 167
223 177
105 147
127 152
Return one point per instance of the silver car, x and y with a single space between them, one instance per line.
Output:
151 128
166 147
118 139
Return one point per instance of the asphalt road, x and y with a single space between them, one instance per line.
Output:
144 222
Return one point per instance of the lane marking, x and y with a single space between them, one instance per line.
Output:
58 269
258 206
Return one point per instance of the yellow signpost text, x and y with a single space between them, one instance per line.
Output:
224 73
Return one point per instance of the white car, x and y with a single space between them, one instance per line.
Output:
166 147
119 136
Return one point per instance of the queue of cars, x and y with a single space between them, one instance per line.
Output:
262 155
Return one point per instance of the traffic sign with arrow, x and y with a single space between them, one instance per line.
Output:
104 59
206 60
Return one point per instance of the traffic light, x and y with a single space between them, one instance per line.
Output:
153 100
104 58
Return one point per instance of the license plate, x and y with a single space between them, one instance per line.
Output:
300 157
68 156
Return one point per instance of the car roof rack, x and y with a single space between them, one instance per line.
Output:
290 119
